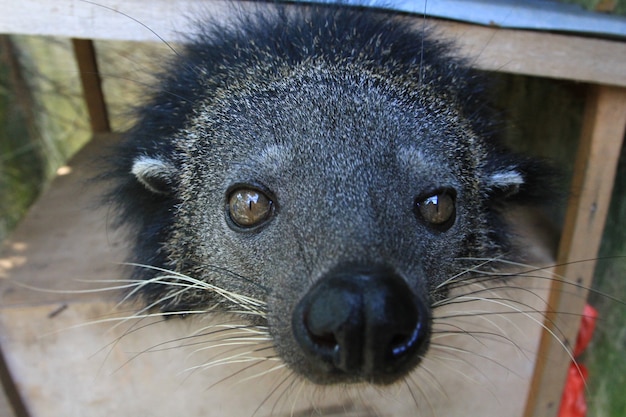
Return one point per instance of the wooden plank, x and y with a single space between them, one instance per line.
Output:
63 243
135 20
60 230
541 54
92 85
603 131
67 368
516 51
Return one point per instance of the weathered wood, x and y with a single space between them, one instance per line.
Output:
135 20
67 234
63 245
541 54
604 125
515 51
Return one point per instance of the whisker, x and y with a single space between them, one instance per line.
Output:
234 374
260 374
270 394
455 278
530 269
423 394
297 396
139 22
492 336
478 355
543 326
445 361
287 389
183 280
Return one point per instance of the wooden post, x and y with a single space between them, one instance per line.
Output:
602 135
92 85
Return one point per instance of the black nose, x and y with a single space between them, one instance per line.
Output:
364 323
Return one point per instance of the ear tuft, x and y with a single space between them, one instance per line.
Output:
506 182
157 175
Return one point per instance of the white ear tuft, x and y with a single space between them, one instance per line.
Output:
509 181
155 174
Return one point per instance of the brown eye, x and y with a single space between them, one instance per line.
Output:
249 207
438 210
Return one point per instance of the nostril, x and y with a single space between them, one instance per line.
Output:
402 344
329 326
325 341
322 338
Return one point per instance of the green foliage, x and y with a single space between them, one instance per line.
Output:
21 166
42 119
609 6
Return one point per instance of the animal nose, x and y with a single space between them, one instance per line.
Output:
363 322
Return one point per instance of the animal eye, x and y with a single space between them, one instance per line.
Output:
437 210
248 207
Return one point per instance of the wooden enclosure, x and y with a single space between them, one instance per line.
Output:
64 238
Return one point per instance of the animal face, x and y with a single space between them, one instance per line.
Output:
324 176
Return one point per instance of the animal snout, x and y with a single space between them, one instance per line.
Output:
362 323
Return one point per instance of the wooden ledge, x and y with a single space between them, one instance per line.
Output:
541 54
55 363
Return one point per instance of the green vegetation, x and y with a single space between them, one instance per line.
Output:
21 163
42 121
607 6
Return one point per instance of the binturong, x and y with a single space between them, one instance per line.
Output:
319 173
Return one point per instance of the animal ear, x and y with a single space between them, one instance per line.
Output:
157 175
524 180
505 182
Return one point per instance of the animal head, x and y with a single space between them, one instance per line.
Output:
321 174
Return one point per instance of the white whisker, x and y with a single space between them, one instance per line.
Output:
260 374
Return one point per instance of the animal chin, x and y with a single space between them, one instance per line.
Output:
361 323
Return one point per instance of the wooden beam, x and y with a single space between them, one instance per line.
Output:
92 85
134 20
540 54
604 125
516 51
